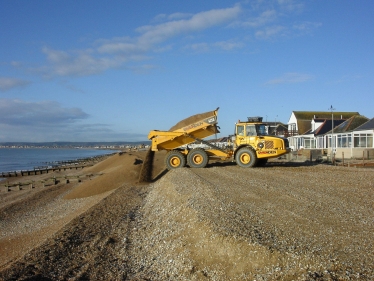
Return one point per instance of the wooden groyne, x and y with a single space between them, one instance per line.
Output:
41 170
7 187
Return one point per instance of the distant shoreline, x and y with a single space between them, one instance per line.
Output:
61 144
29 159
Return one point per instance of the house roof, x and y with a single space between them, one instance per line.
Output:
351 124
319 120
303 126
309 115
304 118
369 125
274 124
327 126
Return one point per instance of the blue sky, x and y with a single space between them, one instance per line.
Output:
93 70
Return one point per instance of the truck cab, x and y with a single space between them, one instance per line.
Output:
252 144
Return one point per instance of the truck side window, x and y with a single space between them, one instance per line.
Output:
240 130
261 129
251 130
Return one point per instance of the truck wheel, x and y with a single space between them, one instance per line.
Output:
246 157
197 158
175 159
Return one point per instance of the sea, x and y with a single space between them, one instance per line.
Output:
16 159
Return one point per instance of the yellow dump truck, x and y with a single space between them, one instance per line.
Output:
250 146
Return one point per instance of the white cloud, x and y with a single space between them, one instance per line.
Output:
270 32
125 45
229 45
15 112
119 51
198 47
271 19
291 77
291 5
159 33
122 52
7 83
222 45
265 17
63 63
306 27
177 16
174 16
49 121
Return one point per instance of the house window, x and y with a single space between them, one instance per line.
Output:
356 140
363 140
339 144
329 141
310 143
300 142
370 140
343 141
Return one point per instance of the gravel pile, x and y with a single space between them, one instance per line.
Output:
220 223
305 223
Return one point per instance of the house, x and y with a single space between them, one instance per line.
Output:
277 128
344 134
299 122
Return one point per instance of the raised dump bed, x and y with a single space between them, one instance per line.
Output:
198 126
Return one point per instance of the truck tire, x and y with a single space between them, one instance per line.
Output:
197 158
246 157
175 159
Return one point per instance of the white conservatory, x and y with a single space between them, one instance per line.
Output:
349 138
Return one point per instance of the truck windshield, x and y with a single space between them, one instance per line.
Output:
261 130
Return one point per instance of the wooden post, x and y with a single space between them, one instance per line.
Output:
31 185
54 180
363 158
343 157
19 186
